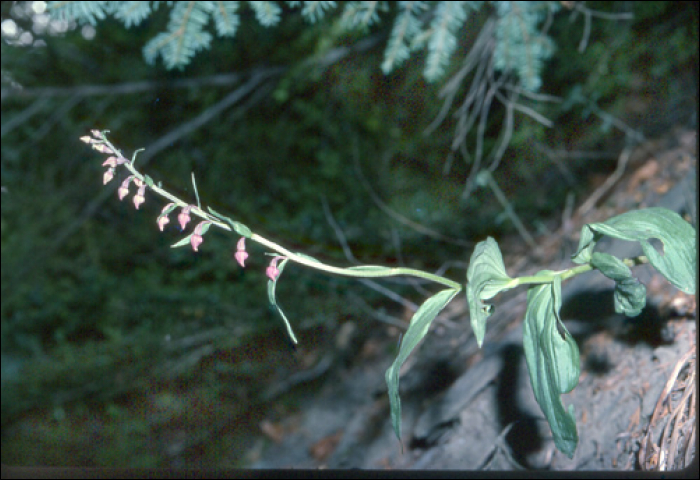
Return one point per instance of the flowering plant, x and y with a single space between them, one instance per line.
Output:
551 353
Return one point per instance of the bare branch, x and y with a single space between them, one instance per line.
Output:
127 88
26 114
608 184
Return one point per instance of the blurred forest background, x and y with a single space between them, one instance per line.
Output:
109 336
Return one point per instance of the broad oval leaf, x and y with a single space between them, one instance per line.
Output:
678 262
420 323
271 285
486 277
552 360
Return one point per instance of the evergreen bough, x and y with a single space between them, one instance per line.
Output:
521 46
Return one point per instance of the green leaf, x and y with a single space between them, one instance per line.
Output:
611 267
678 262
168 210
486 277
205 228
271 285
182 242
552 360
630 295
148 180
239 228
420 323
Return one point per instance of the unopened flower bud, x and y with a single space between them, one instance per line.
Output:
113 161
184 216
241 254
272 271
109 175
102 148
163 220
124 188
163 217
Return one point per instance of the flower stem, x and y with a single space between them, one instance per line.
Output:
572 272
180 203
349 272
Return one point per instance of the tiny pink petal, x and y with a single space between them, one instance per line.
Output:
241 256
272 272
113 161
184 216
108 176
196 240
139 198
102 148
200 225
162 221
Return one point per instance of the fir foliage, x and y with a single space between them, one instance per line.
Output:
361 14
407 28
133 13
449 17
521 48
185 35
315 11
267 13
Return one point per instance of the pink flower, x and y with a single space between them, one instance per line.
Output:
196 238
139 197
272 271
113 161
184 216
163 217
109 175
124 188
102 148
163 220
241 254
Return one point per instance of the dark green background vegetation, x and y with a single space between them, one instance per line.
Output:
96 306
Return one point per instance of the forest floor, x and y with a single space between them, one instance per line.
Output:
471 409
